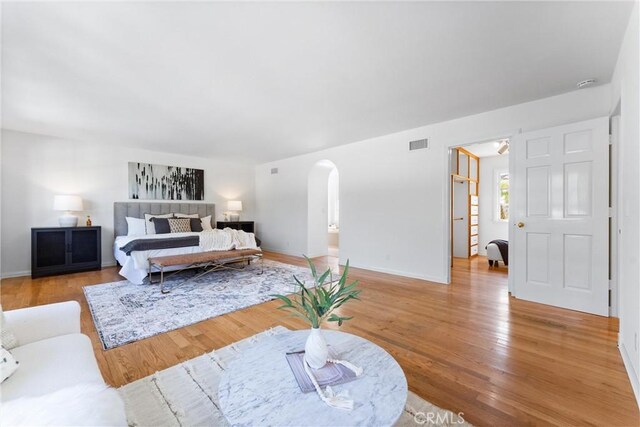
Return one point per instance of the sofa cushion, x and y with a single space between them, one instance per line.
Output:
93 404
8 364
50 365
7 338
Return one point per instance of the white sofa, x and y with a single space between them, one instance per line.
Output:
55 360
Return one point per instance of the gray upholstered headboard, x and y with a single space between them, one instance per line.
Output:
121 210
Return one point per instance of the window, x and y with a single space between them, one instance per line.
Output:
503 196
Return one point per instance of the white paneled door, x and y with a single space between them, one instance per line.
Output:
560 209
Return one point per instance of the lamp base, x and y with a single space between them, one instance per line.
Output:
68 220
234 217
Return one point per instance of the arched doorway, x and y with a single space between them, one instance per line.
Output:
323 223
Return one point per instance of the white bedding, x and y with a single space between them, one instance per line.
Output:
135 266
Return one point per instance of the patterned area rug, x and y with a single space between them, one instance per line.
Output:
187 394
124 312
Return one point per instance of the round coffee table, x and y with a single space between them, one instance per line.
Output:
258 388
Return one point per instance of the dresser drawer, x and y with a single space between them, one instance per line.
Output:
474 250
474 240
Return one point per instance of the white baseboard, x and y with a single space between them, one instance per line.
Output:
633 375
281 251
439 280
12 274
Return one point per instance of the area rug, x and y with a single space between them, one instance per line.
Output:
124 312
187 394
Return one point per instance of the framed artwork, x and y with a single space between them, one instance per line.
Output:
160 182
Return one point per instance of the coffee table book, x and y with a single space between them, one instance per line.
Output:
330 374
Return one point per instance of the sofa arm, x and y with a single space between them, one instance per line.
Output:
44 321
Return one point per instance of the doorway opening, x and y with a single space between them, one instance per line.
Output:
323 221
479 174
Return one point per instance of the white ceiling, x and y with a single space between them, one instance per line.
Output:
484 149
263 81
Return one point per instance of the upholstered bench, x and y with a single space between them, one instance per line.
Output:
210 261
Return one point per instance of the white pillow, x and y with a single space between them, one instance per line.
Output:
135 227
179 215
7 339
151 227
88 404
8 365
206 223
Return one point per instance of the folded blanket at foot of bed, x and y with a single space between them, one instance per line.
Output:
165 243
210 240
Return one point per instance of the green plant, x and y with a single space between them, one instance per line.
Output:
317 304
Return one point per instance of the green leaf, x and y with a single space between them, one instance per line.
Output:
317 303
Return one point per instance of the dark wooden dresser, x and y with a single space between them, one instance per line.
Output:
60 250
246 226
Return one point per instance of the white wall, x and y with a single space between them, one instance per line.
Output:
490 228
393 216
36 167
626 89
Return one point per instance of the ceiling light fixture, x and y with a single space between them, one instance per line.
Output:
586 83
504 146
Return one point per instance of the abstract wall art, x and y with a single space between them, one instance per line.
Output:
159 182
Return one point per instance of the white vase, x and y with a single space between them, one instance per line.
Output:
316 351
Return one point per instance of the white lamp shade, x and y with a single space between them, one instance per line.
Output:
234 205
67 203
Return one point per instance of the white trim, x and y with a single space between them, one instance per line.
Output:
615 172
433 279
12 274
438 280
631 373
281 251
512 202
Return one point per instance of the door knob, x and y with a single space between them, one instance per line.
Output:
520 224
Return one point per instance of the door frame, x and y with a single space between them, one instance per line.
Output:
616 183
446 205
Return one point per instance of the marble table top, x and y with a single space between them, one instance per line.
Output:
258 388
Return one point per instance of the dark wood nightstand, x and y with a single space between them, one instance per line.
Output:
60 250
246 226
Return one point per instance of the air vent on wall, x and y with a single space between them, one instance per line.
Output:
419 144
274 171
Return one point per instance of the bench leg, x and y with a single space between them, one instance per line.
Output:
162 289
261 265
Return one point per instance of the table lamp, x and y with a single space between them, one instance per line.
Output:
234 206
67 204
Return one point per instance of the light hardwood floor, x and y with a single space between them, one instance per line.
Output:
468 347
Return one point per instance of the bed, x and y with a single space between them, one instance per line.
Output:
135 265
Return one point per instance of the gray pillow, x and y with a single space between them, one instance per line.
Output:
161 225
196 224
